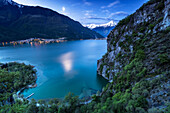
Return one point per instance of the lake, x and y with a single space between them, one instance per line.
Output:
61 67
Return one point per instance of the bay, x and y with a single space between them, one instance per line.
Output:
61 67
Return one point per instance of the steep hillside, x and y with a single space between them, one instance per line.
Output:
20 22
137 65
137 61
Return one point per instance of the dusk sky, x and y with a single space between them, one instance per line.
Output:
89 11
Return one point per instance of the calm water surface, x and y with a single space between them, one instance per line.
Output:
62 67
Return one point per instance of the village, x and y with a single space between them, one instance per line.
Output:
33 41
39 41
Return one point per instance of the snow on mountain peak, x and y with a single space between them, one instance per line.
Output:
109 24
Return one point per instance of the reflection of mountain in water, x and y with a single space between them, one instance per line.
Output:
101 81
86 92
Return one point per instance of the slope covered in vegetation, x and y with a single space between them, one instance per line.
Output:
19 22
137 65
137 61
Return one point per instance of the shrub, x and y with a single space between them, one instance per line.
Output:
142 29
119 55
167 30
151 26
109 50
140 54
160 6
160 19
125 20
121 44
163 58
142 73
134 34
141 102
101 67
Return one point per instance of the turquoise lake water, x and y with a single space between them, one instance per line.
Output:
61 67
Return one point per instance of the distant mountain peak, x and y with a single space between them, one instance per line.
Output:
109 24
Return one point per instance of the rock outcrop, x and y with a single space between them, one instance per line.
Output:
145 30
138 49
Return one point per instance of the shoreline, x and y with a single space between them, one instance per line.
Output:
39 41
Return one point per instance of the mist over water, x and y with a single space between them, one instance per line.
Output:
61 67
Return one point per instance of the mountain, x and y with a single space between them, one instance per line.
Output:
19 22
137 61
136 64
103 29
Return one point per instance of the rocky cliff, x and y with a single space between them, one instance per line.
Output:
146 31
138 50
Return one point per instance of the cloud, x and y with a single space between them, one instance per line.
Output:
88 14
111 4
105 11
101 18
120 13
63 9
87 3
76 4
110 17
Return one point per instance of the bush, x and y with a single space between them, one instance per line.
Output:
125 20
141 102
160 19
140 55
134 34
151 26
160 6
163 58
167 30
142 29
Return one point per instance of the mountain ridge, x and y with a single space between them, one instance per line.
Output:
109 24
19 22
103 29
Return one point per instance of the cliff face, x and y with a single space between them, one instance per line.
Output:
138 55
147 31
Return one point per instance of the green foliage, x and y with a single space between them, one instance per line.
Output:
125 20
109 50
150 2
167 30
139 45
160 6
119 55
15 76
142 29
49 25
134 34
70 103
151 26
160 19
101 67
142 73
140 54
163 58
121 44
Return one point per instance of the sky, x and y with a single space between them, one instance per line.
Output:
89 11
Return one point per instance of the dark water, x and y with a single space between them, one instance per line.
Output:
62 67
